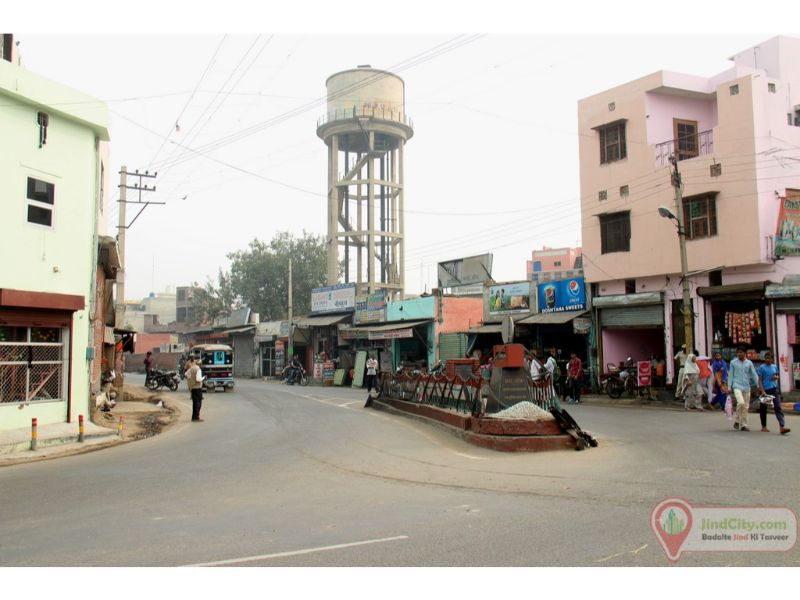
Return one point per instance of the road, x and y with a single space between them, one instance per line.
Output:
291 476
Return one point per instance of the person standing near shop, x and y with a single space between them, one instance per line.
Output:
768 384
680 357
194 379
719 370
372 379
574 377
742 376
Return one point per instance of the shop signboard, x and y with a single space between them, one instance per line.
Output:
581 325
280 356
370 308
562 295
328 370
645 372
509 299
334 298
392 334
465 271
787 239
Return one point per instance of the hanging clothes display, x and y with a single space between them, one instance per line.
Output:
743 326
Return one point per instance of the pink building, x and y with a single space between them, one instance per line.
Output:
550 260
735 137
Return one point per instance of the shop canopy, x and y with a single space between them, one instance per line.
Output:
321 321
384 331
552 318
491 328
753 290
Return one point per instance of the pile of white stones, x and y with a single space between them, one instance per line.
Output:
524 410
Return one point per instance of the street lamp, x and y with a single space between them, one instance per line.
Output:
687 303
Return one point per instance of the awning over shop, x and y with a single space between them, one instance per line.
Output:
382 332
775 290
753 290
627 299
491 328
241 329
552 318
321 321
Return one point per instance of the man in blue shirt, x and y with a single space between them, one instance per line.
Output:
768 384
741 378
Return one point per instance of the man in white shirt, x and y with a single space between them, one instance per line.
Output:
372 378
194 379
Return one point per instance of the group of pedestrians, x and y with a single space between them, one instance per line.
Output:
734 382
545 372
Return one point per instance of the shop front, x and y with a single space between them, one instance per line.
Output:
323 333
785 301
738 315
630 325
406 344
39 361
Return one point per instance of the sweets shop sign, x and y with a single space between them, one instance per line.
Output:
562 295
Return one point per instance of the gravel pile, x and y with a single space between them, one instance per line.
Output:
524 410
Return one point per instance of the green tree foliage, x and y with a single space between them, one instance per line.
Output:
259 278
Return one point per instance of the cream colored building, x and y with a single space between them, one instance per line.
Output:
53 173
736 137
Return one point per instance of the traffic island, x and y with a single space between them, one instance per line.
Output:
505 435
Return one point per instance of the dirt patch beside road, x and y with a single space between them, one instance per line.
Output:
144 413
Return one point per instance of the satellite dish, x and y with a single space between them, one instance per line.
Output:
507 329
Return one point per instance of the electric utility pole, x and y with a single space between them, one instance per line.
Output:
687 301
290 349
123 226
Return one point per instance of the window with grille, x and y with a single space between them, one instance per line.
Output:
700 216
615 232
32 364
686 144
41 198
612 142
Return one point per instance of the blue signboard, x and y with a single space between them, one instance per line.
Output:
562 295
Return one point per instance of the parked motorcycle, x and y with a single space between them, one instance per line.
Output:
620 378
158 378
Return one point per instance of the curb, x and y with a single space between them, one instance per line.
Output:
469 429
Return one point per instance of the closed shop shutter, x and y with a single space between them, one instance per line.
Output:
452 345
651 315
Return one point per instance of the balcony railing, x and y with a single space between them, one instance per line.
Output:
375 112
699 144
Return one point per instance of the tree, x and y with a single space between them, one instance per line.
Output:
210 302
259 278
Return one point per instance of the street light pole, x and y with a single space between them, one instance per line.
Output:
687 301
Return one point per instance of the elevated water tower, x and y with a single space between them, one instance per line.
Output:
366 129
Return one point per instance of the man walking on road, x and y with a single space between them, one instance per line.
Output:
768 385
194 379
742 377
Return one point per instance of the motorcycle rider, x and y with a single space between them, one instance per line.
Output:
294 369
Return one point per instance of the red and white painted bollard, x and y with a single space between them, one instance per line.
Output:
80 428
120 426
34 432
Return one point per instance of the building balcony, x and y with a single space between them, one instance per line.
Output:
690 146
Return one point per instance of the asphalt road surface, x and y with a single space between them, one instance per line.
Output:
292 476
